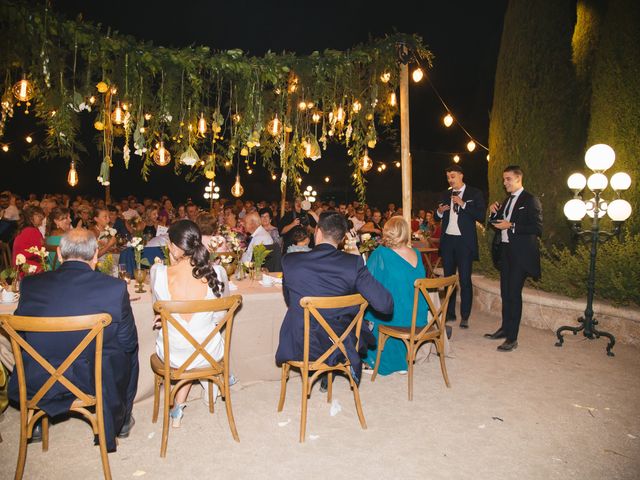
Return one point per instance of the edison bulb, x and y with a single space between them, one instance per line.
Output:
275 126
392 99
365 162
315 117
417 74
447 120
23 90
456 158
161 156
117 116
237 190
202 125
72 176
471 146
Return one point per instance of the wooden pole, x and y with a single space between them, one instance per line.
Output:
405 150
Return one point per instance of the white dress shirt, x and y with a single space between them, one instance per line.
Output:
259 236
452 227
504 236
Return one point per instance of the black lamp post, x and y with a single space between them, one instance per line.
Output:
598 158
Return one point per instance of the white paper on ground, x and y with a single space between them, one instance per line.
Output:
335 408
285 423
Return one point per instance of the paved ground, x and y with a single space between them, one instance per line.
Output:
540 412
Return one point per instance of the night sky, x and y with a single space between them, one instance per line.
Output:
463 35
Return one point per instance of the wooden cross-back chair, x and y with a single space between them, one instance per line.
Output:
30 412
414 336
311 306
217 371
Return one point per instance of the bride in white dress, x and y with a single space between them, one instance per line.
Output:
189 277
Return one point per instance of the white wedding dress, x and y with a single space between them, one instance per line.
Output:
199 326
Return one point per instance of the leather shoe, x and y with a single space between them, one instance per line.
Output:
464 323
450 318
126 428
36 434
324 384
497 335
508 346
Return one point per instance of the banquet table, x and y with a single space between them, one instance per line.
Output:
254 338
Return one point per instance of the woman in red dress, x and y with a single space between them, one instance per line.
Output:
29 236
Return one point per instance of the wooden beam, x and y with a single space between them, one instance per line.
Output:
405 149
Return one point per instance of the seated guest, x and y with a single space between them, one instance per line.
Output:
76 289
99 230
396 266
373 226
259 236
167 214
325 271
59 223
266 217
190 277
29 236
357 220
294 217
117 223
300 239
83 219
207 225
150 219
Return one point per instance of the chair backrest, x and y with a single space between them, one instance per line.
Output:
95 324
166 309
438 315
273 262
311 306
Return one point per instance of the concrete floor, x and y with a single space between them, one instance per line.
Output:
539 412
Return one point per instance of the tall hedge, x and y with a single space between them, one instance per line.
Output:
534 120
615 98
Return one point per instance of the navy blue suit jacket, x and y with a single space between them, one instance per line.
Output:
75 289
474 211
325 272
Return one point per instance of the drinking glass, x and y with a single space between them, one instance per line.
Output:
140 276
122 272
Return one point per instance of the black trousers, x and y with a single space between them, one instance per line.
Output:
512 278
457 256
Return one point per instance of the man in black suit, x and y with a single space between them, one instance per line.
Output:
460 208
326 271
518 224
76 289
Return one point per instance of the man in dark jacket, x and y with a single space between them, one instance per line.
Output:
76 289
460 208
326 271
518 224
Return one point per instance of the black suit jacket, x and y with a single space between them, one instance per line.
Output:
474 211
75 289
325 272
527 216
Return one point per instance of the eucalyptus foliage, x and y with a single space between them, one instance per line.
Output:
167 90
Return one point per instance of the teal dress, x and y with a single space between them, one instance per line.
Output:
397 276
53 240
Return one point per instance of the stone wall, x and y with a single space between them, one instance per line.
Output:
549 311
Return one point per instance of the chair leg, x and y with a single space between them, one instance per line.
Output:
227 403
443 366
211 399
165 419
45 433
156 397
102 440
356 397
410 363
283 385
382 338
303 415
329 386
22 452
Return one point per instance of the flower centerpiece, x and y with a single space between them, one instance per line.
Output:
260 254
368 244
106 264
42 254
140 273
107 233
9 277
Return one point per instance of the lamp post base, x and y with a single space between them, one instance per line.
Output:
590 333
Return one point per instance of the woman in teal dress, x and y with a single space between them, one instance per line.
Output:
58 223
396 266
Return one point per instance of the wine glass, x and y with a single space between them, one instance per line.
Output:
123 274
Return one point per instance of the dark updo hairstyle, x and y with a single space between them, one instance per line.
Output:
186 235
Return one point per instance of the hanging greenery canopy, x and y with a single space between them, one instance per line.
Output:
205 109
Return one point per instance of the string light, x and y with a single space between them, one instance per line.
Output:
302 105
398 164
417 74
456 158
392 99
274 176
327 179
29 139
488 157
117 117
72 176
92 99
275 126
356 107
315 117
447 120
471 146
202 125
385 77
5 148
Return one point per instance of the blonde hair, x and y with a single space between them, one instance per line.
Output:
395 233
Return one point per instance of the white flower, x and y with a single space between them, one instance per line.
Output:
140 247
157 260
365 236
135 241
112 231
32 269
43 251
20 259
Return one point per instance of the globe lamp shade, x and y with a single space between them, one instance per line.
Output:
620 181
575 209
619 210
599 157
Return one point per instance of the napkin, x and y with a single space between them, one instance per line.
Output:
232 286
275 280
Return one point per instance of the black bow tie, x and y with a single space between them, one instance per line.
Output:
455 193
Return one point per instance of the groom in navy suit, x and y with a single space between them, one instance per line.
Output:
460 208
76 289
326 271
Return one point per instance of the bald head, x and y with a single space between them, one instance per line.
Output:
78 244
